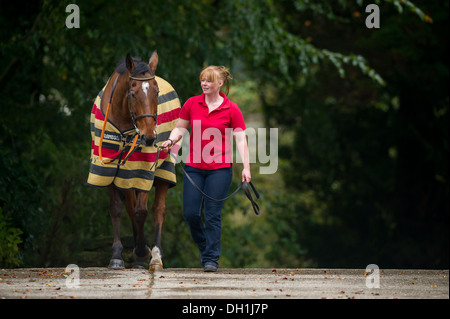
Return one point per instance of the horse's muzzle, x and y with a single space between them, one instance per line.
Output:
147 141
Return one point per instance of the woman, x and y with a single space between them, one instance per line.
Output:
212 117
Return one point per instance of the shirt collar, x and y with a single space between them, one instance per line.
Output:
225 104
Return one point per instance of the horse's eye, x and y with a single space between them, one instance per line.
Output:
133 84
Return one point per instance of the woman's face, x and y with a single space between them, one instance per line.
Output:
210 87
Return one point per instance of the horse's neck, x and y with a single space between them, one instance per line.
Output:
119 113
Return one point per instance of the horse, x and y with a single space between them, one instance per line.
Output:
124 134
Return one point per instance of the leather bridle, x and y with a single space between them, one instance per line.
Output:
134 118
136 137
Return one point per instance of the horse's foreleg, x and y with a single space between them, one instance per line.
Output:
159 213
130 205
141 250
115 210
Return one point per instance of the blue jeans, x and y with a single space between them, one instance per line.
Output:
206 235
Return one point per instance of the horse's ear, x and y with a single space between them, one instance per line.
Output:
129 63
153 62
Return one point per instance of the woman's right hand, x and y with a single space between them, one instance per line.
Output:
166 145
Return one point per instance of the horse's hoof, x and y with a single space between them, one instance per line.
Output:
116 264
142 259
156 262
155 266
139 265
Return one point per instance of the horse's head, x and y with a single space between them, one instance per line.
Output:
143 97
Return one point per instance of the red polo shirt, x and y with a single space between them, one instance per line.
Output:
210 145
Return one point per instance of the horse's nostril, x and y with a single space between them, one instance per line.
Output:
147 141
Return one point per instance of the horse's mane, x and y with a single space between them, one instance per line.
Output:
141 67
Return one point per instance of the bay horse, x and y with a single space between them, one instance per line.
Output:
132 92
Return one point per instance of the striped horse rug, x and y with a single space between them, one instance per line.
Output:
139 171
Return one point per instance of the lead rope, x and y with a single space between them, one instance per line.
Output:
243 185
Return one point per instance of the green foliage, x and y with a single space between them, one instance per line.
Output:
9 241
368 157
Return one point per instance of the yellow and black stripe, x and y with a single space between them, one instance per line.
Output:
139 171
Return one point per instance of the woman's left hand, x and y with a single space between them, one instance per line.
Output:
246 176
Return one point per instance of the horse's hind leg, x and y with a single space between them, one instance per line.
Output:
159 213
115 211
